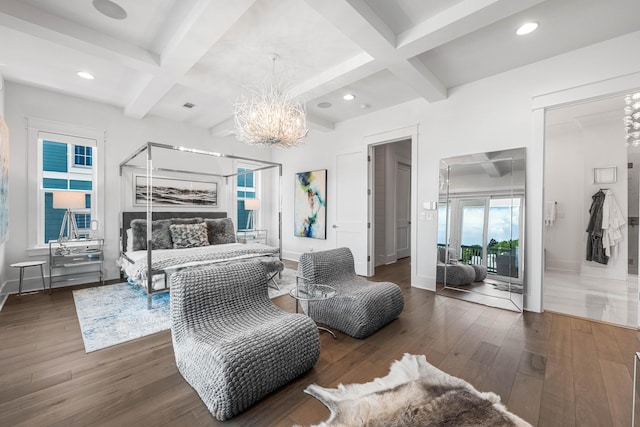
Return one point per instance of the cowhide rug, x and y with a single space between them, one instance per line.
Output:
414 393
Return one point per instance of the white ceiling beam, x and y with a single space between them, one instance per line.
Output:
318 123
357 21
457 21
207 22
414 73
490 167
39 24
347 72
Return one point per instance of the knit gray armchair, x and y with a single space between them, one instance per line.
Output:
360 306
231 344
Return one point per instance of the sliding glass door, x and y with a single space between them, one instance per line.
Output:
488 233
472 231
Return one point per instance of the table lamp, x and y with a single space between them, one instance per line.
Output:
69 200
251 205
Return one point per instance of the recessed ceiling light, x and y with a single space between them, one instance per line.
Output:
349 97
324 105
110 9
86 75
527 28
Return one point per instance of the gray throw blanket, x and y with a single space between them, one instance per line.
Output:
180 258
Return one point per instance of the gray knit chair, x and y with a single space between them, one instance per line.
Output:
360 306
231 344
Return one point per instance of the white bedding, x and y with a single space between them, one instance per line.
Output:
171 260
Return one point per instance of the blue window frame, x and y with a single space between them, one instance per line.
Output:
83 156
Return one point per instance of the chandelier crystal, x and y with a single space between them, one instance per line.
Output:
632 119
268 117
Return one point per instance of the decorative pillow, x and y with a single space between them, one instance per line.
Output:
129 240
160 238
189 235
221 230
194 220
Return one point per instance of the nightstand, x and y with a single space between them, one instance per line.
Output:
75 259
252 236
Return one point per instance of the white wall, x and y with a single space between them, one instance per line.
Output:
3 262
123 136
487 115
564 248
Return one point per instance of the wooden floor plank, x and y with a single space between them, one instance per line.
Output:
617 384
550 369
592 406
525 397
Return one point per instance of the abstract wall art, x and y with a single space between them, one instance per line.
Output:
310 204
4 181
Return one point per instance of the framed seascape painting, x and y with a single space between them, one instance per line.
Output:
175 192
310 204
4 181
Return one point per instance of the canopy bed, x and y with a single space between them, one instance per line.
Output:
158 240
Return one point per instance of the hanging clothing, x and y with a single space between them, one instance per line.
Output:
612 221
595 248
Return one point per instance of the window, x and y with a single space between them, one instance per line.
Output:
58 160
83 156
488 233
66 161
246 190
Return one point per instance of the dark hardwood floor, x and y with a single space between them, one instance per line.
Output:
550 369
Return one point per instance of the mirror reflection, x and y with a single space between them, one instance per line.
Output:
481 228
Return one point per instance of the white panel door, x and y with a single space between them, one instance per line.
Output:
350 225
403 211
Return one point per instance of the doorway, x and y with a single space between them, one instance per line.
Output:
391 216
581 141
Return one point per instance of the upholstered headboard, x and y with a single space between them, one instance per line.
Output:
128 216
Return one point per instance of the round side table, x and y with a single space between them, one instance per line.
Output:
317 293
25 264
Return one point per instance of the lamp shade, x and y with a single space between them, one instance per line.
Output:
68 200
251 204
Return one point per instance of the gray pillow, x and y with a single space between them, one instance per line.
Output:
189 235
221 230
160 238
194 220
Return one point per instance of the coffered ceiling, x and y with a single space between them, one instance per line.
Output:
170 52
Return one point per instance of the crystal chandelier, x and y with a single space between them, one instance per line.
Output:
632 119
269 117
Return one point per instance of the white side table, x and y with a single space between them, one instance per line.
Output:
25 264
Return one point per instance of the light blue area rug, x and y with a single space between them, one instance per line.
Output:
114 314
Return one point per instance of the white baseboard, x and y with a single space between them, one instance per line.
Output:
291 256
3 295
423 282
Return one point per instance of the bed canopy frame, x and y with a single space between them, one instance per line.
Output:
149 169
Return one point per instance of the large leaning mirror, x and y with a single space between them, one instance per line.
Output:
481 228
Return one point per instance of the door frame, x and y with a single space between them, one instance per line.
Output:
406 133
401 161
535 162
